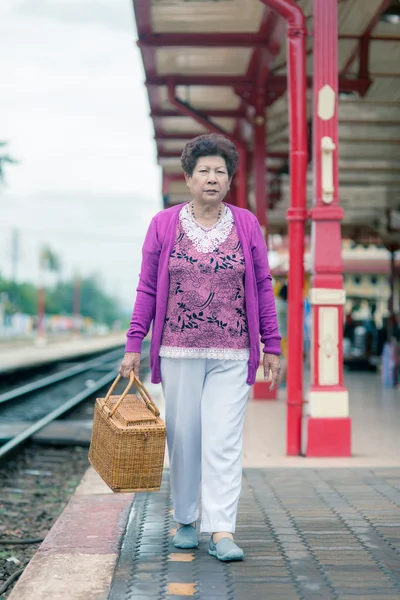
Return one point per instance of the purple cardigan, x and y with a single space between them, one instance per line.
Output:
152 292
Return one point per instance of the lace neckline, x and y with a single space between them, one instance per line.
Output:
202 226
206 239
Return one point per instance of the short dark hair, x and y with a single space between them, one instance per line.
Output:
211 144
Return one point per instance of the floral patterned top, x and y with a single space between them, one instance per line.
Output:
206 313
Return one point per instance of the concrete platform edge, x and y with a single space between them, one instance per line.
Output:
73 561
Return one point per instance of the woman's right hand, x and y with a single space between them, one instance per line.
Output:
130 362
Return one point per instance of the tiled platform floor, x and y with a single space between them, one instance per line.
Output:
375 414
307 534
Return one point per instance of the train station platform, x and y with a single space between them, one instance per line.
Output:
26 355
322 529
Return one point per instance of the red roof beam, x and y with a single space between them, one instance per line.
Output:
276 83
142 10
211 112
202 40
177 135
176 154
225 40
373 38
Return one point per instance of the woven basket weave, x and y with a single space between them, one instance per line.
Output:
128 440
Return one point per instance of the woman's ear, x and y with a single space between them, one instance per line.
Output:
187 179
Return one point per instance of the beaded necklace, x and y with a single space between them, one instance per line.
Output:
194 216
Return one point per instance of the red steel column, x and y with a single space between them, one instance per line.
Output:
328 422
241 179
261 389
296 53
233 193
259 163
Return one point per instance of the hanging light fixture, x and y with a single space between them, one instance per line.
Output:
392 14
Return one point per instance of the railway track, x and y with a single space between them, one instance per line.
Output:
37 480
41 402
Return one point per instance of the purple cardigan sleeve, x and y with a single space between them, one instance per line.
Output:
268 320
145 305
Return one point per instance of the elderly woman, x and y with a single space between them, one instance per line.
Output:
205 285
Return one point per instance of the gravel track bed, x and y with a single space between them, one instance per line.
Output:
38 404
34 488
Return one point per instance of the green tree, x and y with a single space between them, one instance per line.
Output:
94 304
27 296
97 305
4 159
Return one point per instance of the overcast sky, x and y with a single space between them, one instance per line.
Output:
74 110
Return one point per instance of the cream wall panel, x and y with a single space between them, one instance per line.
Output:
328 359
332 404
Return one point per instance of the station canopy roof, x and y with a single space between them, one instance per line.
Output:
209 52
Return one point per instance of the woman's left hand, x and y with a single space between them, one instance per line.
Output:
272 362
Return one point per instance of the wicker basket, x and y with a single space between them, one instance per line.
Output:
128 440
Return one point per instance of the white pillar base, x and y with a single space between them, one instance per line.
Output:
331 404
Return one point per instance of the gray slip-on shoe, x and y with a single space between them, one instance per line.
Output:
225 550
186 537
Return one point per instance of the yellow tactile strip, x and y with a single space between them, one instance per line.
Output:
180 557
181 589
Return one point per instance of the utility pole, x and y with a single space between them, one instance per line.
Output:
77 304
41 300
15 255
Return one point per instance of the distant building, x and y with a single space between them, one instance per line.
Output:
366 272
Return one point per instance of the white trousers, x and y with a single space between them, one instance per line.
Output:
205 401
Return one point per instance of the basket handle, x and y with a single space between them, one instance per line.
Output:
141 389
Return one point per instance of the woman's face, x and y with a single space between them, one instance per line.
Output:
210 182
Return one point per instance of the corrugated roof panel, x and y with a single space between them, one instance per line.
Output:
306 6
278 122
201 97
225 124
179 124
355 15
186 124
386 29
345 49
369 131
173 145
365 150
384 89
202 61
178 187
172 164
206 16
279 106
366 111
384 57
